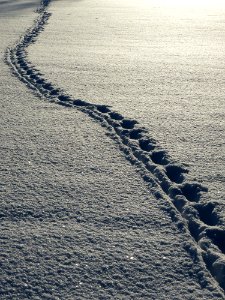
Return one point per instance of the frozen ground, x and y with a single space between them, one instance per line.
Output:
77 219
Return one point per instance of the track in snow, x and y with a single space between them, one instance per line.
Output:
164 177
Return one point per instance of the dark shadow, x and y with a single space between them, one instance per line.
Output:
207 213
175 173
217 236
192 191
159 157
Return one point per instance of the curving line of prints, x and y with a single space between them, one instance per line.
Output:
164 177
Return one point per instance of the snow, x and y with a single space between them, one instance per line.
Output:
159 66
77 219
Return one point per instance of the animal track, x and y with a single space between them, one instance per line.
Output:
207 214
175 173
192 191
217 235
156 167
146 144
159 157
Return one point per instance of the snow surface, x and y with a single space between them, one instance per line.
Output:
77 220
158 65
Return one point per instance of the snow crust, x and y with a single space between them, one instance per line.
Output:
62 216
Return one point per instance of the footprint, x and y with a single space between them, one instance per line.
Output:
48 86
175 173
136 134
159 157
217 236
128 124
207 214
64 98
54 92
116 116
103 109
192 191
146 144
79 102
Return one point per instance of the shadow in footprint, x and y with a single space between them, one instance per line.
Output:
146 145
207 214
159 157
175 173
79 102
136 134
103 109
217 236
116 116
192 191
63 98
128 124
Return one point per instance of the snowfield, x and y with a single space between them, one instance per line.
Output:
112 151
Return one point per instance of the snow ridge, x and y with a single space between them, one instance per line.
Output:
165 178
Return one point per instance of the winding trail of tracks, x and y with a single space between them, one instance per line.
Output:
165 178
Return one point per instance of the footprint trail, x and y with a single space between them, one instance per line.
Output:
165 178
